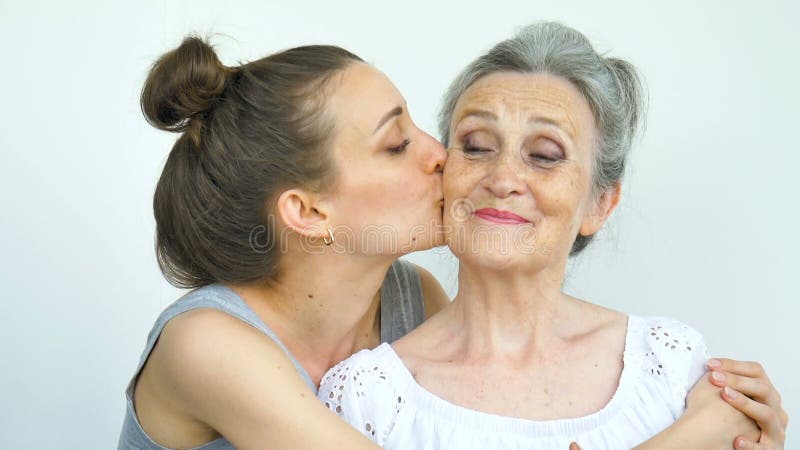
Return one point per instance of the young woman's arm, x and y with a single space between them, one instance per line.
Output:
226 377
708 423
761 401
757 422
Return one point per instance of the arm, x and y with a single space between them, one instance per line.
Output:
433 295
223 375
704 419
750 392
761 401
708 423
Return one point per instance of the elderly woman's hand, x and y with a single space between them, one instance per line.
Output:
760 401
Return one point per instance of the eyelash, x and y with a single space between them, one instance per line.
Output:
545 159
472 150
400 148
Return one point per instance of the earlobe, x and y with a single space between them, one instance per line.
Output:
302 212
600 211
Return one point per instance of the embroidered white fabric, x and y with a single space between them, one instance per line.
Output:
375 392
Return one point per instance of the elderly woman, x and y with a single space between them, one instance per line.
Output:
539 130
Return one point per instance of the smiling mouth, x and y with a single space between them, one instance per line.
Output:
500 217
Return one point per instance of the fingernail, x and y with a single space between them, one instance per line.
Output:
714 363
718 376
731 393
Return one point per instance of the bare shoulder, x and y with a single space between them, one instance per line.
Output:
433 294
204 337
197 367
217 375
209 349
597 322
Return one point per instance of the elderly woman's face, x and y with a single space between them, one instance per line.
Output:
517 183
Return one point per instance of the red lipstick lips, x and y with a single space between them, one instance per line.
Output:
501 217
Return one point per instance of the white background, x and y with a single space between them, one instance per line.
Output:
707 231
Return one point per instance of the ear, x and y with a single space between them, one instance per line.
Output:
600 210
303 212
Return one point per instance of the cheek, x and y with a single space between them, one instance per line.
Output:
563 195
360 195
379 199
458 186
458 178
376 201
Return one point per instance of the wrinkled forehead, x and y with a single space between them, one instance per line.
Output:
522 98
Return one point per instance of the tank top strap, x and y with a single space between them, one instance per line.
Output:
222 298
402 305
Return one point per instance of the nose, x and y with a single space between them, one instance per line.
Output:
435 155
503 181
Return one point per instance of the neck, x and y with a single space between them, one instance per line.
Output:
503 312
323 309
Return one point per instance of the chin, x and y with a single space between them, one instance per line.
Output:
508 262
486 263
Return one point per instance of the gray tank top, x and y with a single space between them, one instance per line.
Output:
402 309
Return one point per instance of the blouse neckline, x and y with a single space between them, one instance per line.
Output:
427 402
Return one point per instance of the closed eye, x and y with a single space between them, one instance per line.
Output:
544 162
475 151
400 148
544 158
545 152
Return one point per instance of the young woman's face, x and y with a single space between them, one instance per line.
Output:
517 183
388 195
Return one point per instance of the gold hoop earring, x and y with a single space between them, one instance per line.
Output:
330 239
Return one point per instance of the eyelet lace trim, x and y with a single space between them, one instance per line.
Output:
347 381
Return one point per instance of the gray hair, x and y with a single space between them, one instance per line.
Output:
611 87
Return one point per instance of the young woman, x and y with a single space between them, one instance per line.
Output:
296 183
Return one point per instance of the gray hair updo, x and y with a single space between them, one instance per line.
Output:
611 86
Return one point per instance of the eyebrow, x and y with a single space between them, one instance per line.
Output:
487 115
398 110
480 113
561 126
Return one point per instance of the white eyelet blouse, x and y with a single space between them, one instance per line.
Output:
375 392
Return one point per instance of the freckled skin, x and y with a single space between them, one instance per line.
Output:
516 343
512 114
